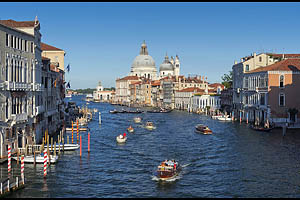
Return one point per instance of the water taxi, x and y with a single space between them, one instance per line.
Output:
225 118
149 126
121 138
130 129
168 169
200 128
39 159
137 119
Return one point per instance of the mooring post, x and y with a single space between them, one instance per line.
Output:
18 156
22 168
45 163
63 144
89 142
48 151
52 144
54 149
34 160
67 139
80 146
72 132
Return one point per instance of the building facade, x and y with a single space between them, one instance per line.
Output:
20 80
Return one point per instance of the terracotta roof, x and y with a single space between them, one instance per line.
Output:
155 83
288 55
291 64
47 47
137 82
14 24
129 78
215 85
192 89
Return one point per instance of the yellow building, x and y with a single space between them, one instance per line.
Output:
55 54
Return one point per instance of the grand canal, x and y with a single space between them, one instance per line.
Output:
233 162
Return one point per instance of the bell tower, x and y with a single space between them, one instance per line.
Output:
177 66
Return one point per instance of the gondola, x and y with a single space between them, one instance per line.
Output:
259 128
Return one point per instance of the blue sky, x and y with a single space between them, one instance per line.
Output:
102 39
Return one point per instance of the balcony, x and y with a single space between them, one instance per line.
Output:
9 85
39 110
19 117
37 86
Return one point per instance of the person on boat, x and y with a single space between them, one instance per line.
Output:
130 127
174 166
124 135
121 136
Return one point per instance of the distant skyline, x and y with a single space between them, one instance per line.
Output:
101 40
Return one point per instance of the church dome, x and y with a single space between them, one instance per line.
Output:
144 60
166 65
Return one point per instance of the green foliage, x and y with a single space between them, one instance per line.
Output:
227 80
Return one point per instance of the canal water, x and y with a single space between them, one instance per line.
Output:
234 161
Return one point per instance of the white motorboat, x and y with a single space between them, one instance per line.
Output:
39 159
225 118
68 95
137 119
67 147
216 116
130 129
149 126
121 138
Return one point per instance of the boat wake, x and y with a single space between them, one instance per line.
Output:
155 178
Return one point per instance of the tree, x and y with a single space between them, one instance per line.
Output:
227 80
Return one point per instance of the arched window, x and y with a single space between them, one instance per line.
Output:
281 81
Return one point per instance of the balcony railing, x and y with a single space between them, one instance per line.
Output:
9 85
19 117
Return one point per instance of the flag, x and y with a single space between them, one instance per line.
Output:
68 85
68 68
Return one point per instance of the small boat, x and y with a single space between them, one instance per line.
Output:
161 110
225 118
200 128
39 159
216 116
149 126
259 128
75 129
116 111
168 169
121 138
95 110
137 119
134 112
130 129
67 147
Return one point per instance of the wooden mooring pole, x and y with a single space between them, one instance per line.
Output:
89 142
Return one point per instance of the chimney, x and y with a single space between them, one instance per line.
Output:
283 56
242 59
254 54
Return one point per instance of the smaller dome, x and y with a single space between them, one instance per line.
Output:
166 65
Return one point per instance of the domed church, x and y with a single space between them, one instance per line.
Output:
144 66
169 67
